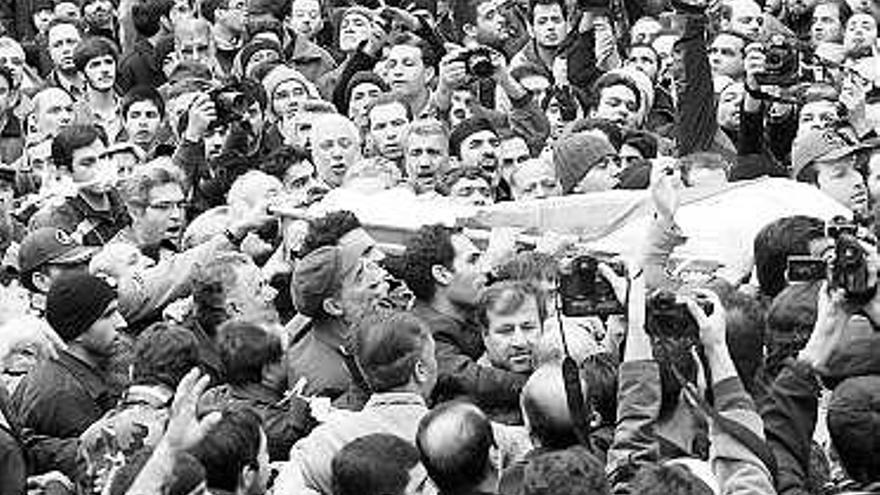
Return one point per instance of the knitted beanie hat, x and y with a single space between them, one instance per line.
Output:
254 46
575 154
465 129
76 301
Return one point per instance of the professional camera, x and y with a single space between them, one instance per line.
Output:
669 317
585 292
847 270
478 62
782 63
230 105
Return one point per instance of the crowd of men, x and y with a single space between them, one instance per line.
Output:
165 330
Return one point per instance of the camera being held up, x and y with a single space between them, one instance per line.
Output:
584 291
477 62
230 105
668 316
782 63
846 268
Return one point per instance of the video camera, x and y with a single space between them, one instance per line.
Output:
847 270
666 316
477 62
585 292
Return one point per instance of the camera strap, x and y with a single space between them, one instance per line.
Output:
574 395
740 433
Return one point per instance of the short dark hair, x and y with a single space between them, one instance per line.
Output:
571 471
461 466
599 371
610 129
376 464
778 240
93 47
163 354
279 160
389 346
745 335
610 80
244 349
509 296
328 229
844 11
464 12
449 179
430 57
142 93
230 446
432 245
535 3
389 99
146 15
72 138
663 479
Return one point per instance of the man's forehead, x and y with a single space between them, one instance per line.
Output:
481 136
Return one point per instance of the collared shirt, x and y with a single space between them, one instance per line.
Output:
85 113
309 470
76 90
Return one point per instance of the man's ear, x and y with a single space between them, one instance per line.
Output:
41 281
469 30
441 274
247 477
332 307
420 372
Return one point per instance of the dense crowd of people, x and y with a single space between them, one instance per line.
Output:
183 310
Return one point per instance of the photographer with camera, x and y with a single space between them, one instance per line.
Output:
836 359
478 68
656 405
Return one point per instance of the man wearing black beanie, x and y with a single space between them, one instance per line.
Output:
61 397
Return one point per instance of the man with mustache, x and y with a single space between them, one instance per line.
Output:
426 154
336 286
475 144
387 119
96 58
512 315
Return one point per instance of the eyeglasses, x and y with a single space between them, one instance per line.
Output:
168 205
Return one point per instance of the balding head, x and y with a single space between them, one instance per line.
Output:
336 145
193 40
545 409
52 111
454 440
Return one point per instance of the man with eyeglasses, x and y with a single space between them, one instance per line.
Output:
144 259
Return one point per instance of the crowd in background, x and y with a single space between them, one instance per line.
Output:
166 328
